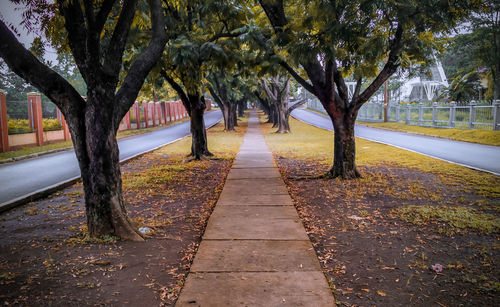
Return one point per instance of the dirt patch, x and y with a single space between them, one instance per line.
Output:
374 258
46 260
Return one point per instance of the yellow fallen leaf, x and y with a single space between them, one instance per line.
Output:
381 293
366 290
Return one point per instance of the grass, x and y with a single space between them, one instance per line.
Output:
467 135
317 144
69 144
221 143
224 145
454 219
35 149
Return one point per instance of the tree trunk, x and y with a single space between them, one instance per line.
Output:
241 108
199 148
233 119
227 120
283 125
344 158
100 169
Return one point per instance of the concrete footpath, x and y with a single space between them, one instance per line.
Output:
255 251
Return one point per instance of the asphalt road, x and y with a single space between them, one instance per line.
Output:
476 156
21 179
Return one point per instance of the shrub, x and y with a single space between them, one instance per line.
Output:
51 124
18 126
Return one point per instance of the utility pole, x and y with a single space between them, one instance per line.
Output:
385 97
385 101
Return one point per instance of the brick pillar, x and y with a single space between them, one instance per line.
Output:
35 108
163 117
4 127
64 125
127 119
209 104
137 115
179 111
170 112
153 112
146 112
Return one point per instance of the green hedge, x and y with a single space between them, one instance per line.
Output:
19 126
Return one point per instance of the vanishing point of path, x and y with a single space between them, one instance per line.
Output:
476 156
255 251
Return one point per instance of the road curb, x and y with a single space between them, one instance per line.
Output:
63 184
434 157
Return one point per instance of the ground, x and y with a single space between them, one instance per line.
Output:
379 237
46 259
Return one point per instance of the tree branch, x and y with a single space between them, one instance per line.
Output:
390 67
114 52
297 77
93 34
216 97
28 67
296 105
103 13
141 67
268 91
176 87
74 23
356 90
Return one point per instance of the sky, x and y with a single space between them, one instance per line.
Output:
12 14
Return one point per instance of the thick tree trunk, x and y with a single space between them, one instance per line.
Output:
241 108
274 116
100 169
283 125
344 158
227 120
233 119
199 148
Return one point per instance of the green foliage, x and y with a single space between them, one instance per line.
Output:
462 88
454 219
51 124
18 126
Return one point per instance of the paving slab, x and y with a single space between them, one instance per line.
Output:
253 173
255 187
255 250
264 223
256 289
254 200
254 255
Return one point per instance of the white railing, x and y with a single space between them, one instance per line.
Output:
471 116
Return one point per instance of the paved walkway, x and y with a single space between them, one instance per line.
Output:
255 251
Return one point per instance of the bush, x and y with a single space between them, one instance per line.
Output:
51 124
19 126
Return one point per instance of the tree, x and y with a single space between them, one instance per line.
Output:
220 89
96 33
478 49
277 88
329 40
201 33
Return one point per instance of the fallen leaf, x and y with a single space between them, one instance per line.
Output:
381 293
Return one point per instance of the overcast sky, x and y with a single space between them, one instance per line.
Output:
12 14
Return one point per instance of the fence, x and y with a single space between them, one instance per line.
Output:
471 116
142 115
